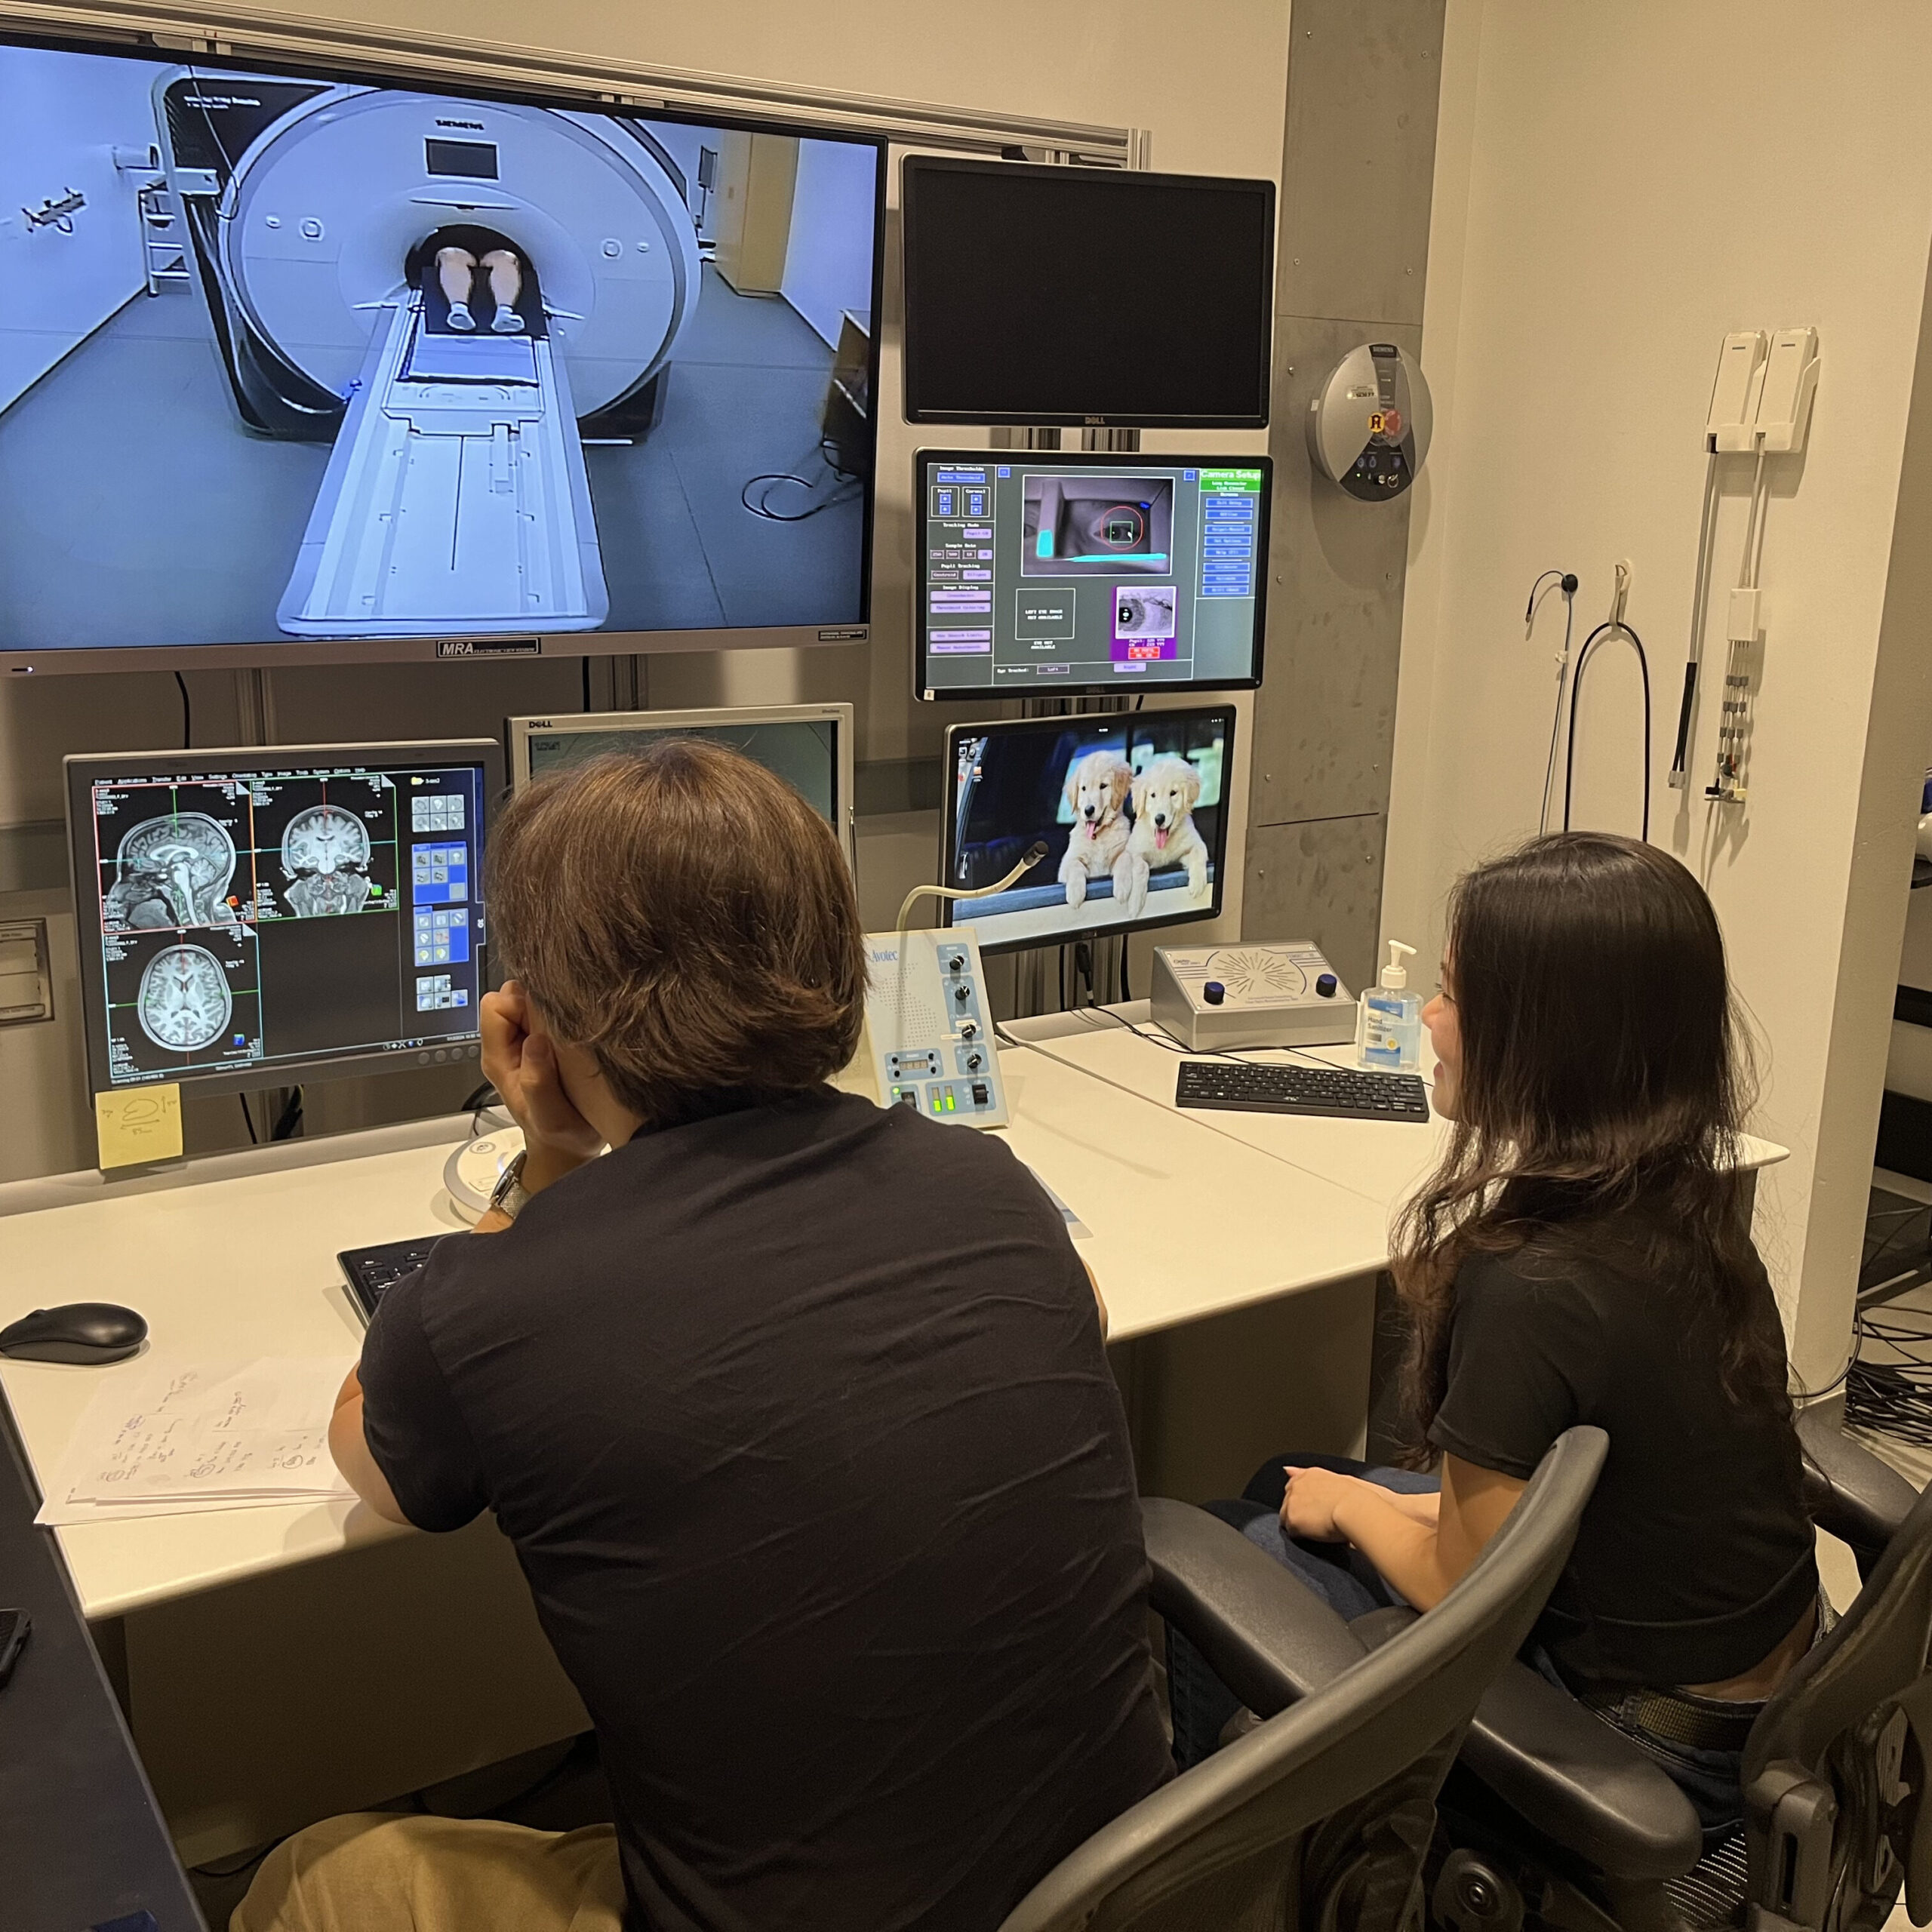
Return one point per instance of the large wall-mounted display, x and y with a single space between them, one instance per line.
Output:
297 367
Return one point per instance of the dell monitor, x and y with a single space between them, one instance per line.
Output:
1045 294
255 918
1131 806
808 746
298 366
1048 573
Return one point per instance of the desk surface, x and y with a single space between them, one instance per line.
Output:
1190 1215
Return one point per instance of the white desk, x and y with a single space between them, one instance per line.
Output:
1277 1223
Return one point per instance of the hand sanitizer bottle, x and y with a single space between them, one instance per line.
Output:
1388 1019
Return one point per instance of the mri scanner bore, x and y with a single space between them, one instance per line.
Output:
301 359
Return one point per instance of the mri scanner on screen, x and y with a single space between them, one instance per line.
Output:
455 494
314 223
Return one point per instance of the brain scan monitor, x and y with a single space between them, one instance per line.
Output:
1131 808
248 919
1062 573
383 364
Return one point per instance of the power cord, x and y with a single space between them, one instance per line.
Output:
1566 581
1610 627
771 479
187 712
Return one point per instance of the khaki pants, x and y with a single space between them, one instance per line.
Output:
372 1871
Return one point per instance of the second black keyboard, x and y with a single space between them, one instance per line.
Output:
371 1273
1337 1092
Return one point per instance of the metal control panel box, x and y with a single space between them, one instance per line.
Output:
928 1043
1222 997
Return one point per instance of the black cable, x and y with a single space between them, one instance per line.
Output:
1125 995
187 712
1562 673
289 1123
771 479
587 684
254 1139
1610 627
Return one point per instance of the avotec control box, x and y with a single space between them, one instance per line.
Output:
1222 998
928 1039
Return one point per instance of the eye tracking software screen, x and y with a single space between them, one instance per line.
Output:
1060 573
278 916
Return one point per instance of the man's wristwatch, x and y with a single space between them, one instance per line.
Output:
508 1197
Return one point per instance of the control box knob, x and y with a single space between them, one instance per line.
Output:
957 963
1213 992
962 994
969 1030
1324 985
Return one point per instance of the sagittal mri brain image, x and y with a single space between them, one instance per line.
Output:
325 852
184 1002
174 871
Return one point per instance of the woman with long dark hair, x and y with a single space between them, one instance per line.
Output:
1582 1253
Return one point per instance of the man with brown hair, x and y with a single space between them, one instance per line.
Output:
795 1408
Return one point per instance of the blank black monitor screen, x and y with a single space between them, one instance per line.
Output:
1050 573
297 368
1076 295
1133 810
248 918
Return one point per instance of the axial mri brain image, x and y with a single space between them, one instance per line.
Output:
172 871
325 852
184 1004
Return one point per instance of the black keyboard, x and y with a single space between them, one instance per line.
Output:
371 1273
1246 1087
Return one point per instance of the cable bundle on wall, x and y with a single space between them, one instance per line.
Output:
1570 685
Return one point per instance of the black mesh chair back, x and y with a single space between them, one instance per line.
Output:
1321 1817
1836 1769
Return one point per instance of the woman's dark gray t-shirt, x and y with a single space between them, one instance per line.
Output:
1695 1558
800 1421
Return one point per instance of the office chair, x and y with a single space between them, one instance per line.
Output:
1556 1820
1322 1815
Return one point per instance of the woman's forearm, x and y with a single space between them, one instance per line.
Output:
1404 1547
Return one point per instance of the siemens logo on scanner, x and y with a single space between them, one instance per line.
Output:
475 127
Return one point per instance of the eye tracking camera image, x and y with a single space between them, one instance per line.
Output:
1131 810
286 359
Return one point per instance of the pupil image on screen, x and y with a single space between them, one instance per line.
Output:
282 358
248 917
1132 815
1037 572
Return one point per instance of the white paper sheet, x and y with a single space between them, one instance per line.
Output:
182 1436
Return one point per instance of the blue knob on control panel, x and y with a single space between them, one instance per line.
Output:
1324 985
1213 992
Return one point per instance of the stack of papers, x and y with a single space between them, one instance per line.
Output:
175 1438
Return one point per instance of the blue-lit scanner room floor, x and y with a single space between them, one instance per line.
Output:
126 464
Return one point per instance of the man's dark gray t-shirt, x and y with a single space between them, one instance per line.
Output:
800 1421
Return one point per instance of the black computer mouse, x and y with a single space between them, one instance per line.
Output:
78 1331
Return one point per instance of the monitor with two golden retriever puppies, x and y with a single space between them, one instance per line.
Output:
1131 808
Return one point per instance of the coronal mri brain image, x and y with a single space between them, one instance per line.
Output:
184 1003
325 852
172 871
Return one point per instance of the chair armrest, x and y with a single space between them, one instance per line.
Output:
1268 1637
1578 1781
1849 1493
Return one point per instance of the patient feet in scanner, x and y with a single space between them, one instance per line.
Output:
508 322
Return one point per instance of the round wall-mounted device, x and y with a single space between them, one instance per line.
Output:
1368 422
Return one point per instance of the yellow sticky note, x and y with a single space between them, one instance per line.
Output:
144 1124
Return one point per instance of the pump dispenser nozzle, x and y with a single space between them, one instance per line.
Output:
1395 975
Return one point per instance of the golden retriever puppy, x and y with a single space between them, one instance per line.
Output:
1096 789
1164 796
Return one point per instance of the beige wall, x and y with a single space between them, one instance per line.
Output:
1618 185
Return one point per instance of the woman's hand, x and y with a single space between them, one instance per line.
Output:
1308 1508
520 1062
